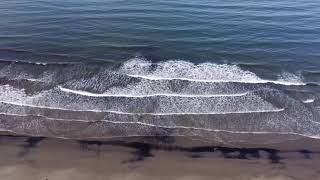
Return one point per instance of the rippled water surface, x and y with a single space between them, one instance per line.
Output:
280 32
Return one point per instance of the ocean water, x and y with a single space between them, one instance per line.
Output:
226 71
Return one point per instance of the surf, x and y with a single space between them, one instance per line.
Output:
204 72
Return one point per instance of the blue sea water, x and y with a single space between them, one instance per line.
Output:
277 32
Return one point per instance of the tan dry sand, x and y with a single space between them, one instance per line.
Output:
53 159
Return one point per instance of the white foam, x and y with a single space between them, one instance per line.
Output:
258 81
205 72
31 62
190 113
309 101
33 80
55 99
86 93
151 114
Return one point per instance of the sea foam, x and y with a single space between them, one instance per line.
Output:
204 72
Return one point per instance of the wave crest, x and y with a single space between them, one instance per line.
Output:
204 72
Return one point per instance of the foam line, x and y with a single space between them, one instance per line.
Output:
34 80
86 93
151 114
308 101
261 81
209 113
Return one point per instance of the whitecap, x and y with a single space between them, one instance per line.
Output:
204 72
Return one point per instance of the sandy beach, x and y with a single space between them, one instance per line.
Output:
54 159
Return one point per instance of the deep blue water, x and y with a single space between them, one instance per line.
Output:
283 32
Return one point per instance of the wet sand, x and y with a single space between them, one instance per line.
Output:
55 159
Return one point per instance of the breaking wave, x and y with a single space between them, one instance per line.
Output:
140 98
205 72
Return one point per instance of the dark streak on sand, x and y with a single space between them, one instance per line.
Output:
144 150
306 153
30 143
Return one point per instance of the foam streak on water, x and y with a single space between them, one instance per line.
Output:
86 93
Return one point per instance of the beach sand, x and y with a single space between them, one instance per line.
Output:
55 159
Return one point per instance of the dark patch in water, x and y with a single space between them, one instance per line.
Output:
151 53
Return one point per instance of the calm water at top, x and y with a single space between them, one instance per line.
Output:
285 33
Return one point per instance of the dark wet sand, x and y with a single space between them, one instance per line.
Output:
55 159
